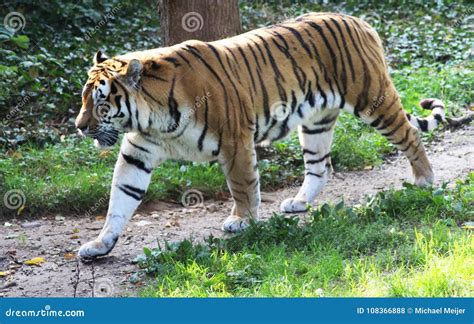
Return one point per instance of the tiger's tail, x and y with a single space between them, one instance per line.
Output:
432 121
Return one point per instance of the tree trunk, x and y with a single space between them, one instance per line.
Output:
205 20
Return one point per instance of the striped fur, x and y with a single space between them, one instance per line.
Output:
215 101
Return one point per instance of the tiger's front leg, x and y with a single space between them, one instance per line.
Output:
131 178
240 168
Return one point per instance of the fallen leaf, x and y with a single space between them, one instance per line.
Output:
35 261
104 154
20 210
99 218
4 273
69 256
16 155
76 230
73 237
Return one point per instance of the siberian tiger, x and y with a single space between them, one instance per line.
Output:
205 101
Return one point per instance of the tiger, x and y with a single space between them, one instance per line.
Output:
218 100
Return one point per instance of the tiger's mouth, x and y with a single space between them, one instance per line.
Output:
104 140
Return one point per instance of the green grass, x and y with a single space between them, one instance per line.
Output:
399 243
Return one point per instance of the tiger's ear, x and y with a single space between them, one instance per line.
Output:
134 71
99 57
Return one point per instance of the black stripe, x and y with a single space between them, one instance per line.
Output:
184 59
326 120
438 118
320 90
297 71
344 72
310 95
248 67
400 124
217 151
203 134
196 53
408 146
362 97
266 105
172 60
344 42
300 39
407 133
173 109
127 104
326 42
423 124
132 194
389 121
254 57
318 160
306 151
306 130
138 146
139 164
314 174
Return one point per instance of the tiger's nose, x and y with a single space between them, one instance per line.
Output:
83 130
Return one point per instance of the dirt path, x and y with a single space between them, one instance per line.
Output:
56 239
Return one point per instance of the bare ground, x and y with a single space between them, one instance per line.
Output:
57 239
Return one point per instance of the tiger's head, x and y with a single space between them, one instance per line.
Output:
107 98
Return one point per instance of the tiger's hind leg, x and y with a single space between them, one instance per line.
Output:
315 140
239 164
391 121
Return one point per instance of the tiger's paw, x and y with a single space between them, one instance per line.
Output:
234 224
95 248
291 205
